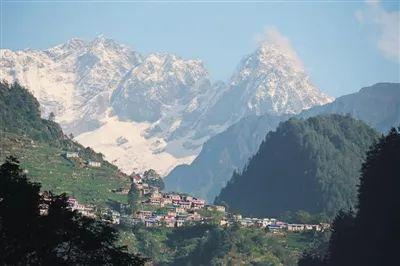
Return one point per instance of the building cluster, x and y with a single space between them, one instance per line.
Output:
87 163
152 196
178 209
175 210
106 215
185 202
172 217
84 209
272 224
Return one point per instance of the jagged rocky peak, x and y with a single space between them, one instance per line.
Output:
74 43
60 51
161 84
109 47
168 67
101 47
267 56
274 81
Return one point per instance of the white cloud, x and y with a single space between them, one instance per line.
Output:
387 25
373 2
271 35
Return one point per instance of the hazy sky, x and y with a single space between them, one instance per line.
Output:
343 45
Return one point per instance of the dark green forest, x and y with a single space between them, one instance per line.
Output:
369 234
20 114
208 244
310 165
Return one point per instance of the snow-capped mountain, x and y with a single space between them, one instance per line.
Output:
153 111
271 82
267 81
74 80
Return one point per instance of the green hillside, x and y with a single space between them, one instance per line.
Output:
311 165
41 146
205 244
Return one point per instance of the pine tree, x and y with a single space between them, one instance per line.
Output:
379 204
52 117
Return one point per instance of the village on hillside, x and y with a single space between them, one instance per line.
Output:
155 208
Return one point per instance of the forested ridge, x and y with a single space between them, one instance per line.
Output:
20 114
311 165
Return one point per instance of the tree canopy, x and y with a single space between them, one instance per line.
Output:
40 229
371 236
20 113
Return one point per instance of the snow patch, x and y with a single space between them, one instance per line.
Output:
135 152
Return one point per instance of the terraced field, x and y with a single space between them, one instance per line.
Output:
46 163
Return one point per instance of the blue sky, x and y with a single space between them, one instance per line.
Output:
343 45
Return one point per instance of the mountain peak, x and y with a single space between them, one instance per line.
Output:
102 40
101 44
72 44
266 48
268 56
272 81
76 42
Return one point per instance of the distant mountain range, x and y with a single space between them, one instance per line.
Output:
378 106
153 111
311 165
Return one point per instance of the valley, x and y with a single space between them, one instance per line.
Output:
199 133
195 180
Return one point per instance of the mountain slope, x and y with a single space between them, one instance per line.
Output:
220 156
40 145
310 165
377 105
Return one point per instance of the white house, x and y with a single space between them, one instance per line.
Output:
219 208
71 155
295 227
94 164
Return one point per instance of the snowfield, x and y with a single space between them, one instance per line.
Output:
124 144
